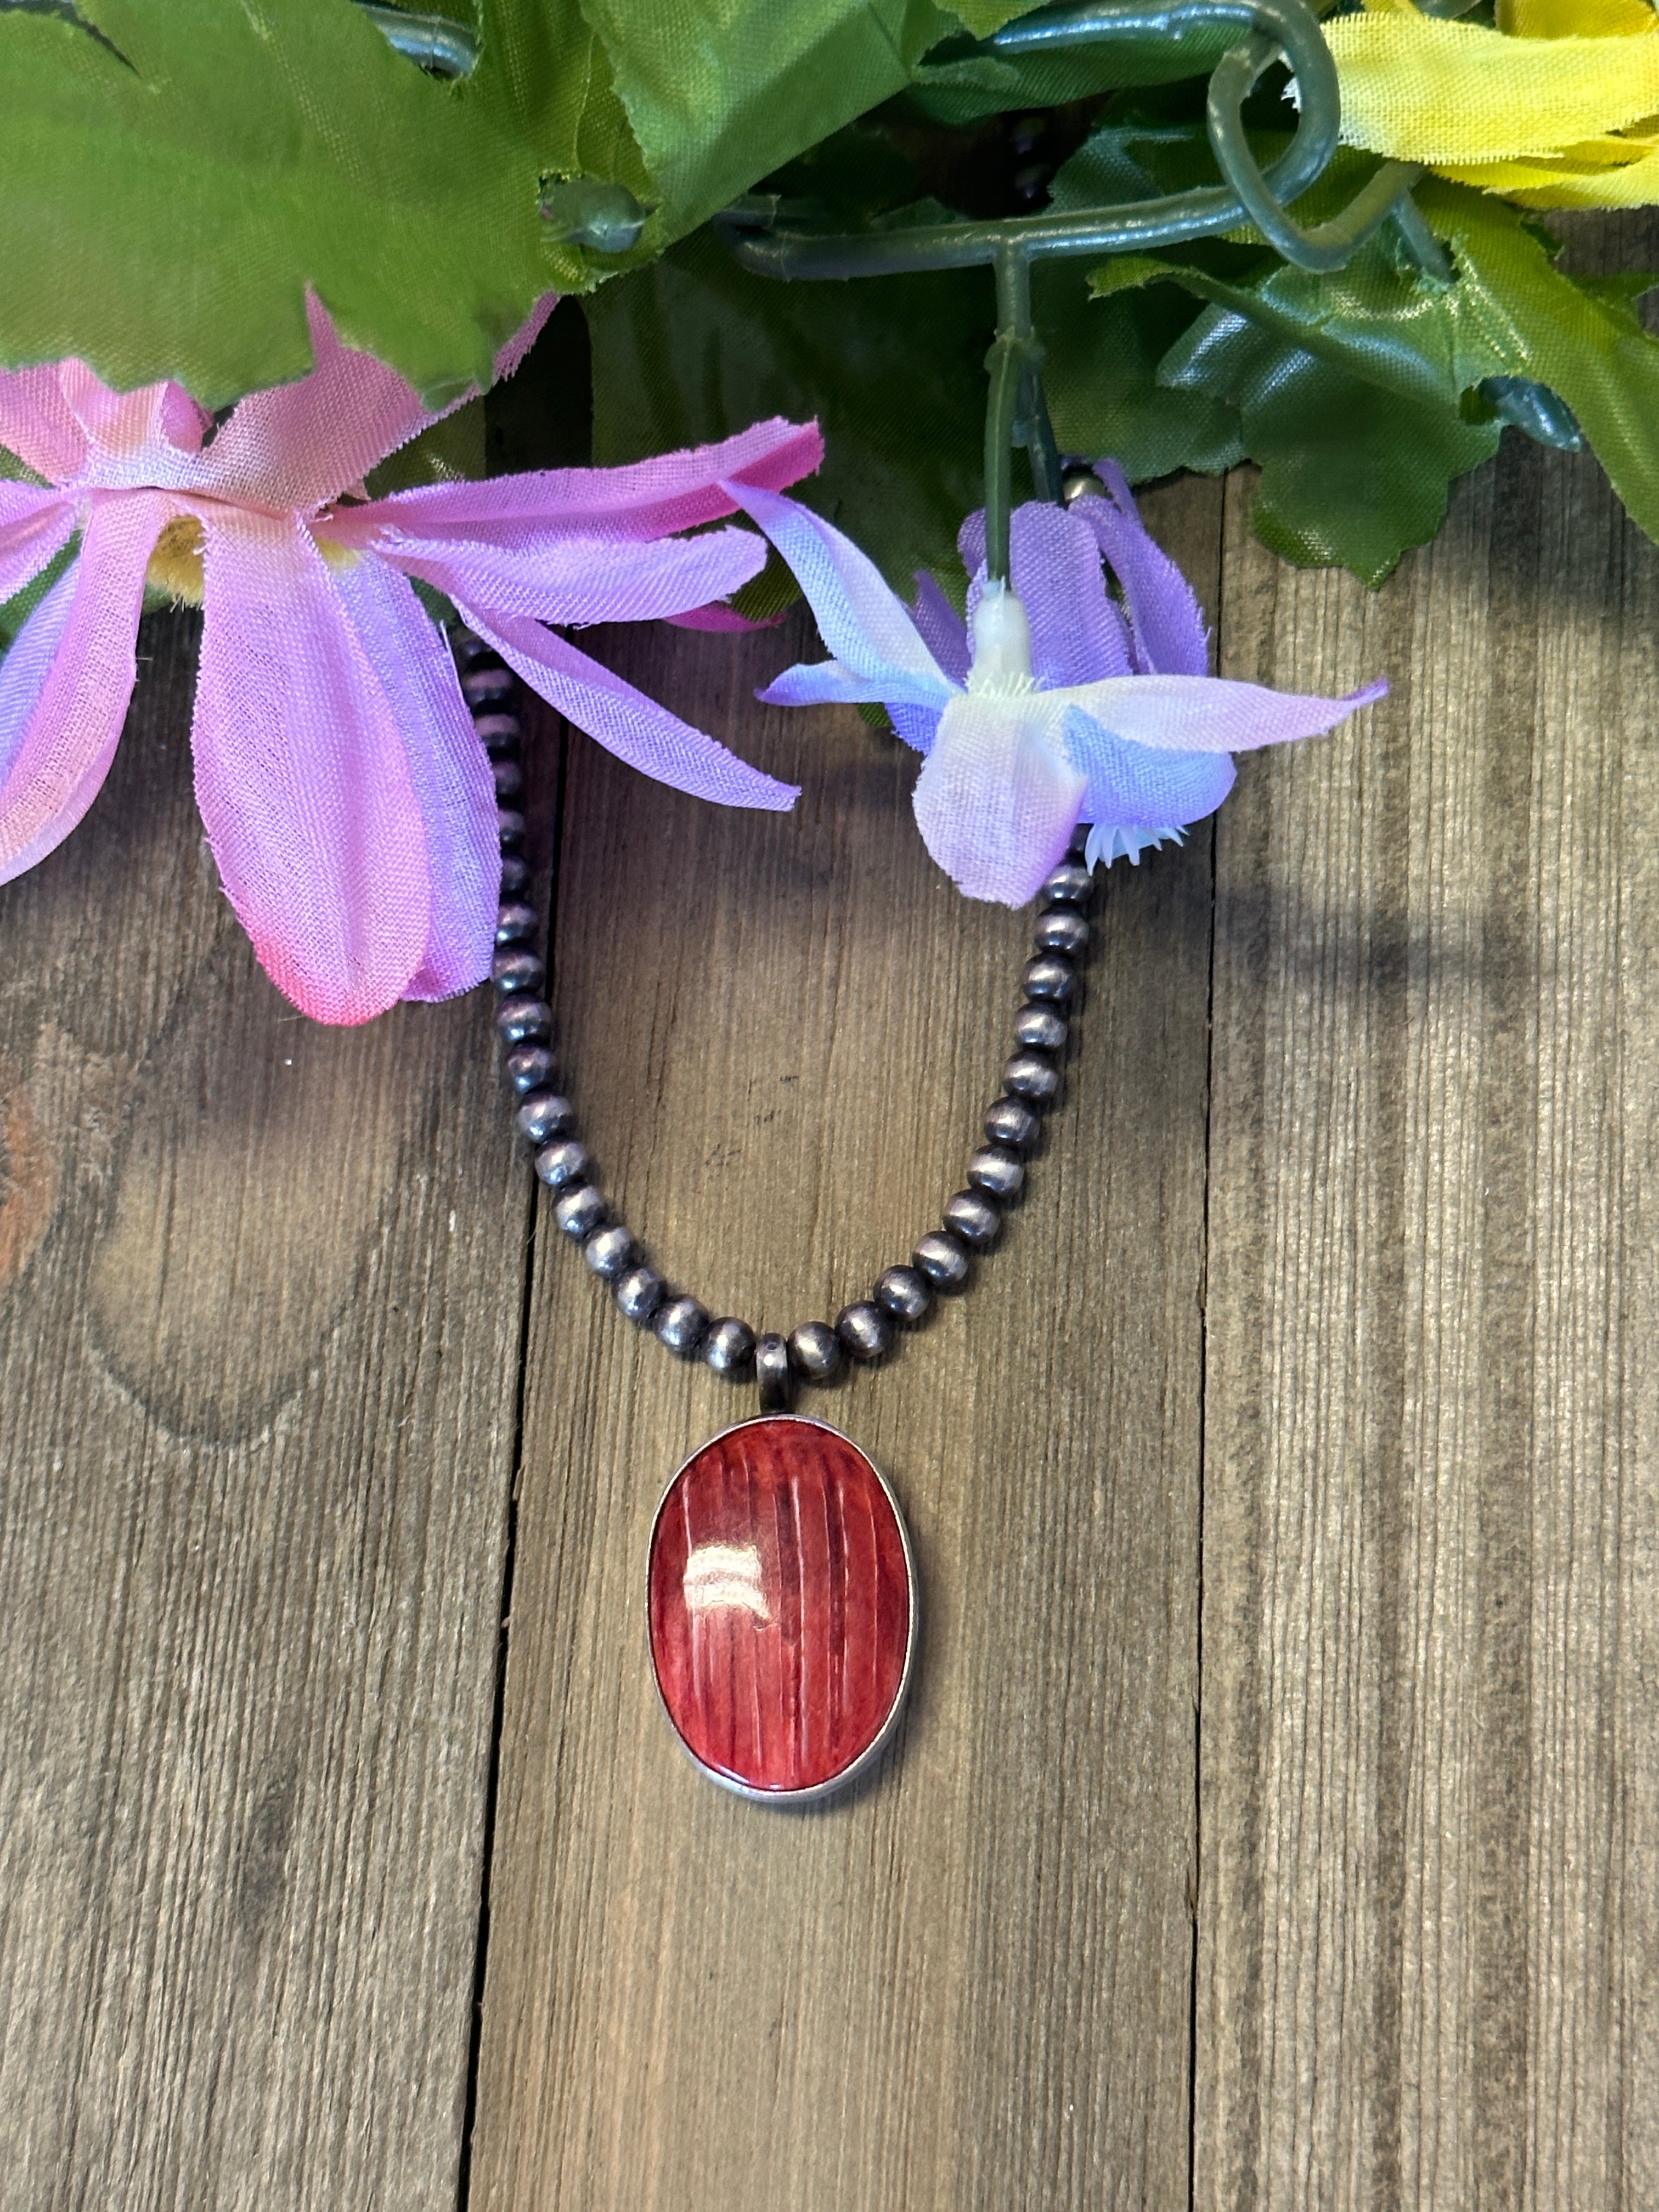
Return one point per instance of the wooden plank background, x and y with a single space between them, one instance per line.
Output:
1274 1823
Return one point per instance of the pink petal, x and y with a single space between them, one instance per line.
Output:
625 722
302 776
124 426
37 424
65 684
507 360
715 617
33 527
997 798
648 499
302 443
449 770
584 580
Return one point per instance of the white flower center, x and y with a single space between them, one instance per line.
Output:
1001 663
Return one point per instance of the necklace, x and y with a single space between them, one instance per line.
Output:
780 1585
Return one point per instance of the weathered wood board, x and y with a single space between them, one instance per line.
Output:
1428 1972
1323 1329
969 1985
261 1287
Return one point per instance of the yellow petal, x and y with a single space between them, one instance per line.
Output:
1422 89
1570 18
1550 184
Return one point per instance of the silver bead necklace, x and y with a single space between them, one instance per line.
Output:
782 1603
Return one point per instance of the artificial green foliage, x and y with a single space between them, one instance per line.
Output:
174 183
695 347
177 173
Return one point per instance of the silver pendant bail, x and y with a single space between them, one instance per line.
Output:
777 1384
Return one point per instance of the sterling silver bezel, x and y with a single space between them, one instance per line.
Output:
871 1752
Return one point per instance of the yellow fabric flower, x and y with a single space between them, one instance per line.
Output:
1559 106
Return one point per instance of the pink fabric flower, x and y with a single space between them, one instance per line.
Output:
348 802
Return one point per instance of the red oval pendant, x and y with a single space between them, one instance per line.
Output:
782 1603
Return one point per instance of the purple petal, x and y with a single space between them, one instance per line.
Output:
824 684
917 725
863 624
940 628
33 527
448 768
584 580
648 499
1141 786
1165 617
65 684
1076 633
302 776
1209 713
302 443
997 800
638 730
38 425
971 542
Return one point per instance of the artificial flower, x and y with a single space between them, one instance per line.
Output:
346 798
1555 107
1055 703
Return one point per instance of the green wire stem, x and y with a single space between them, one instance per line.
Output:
762 240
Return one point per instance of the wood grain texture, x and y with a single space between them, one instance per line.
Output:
969 1983
260 1288
1428 1969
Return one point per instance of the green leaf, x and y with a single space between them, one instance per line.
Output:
1580 339
724 92
694 348
174 183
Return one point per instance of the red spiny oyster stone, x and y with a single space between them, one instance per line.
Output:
780 1605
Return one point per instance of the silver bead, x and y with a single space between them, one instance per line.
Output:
563 1164
814 1351
1062 930
1080 484
514 968
729 1345
544 1115
479 684
515 877
972 1216
942 1260
524 1020
529 1067
1030 1075
1071 885
864 1330
509 780
580 1210
777 1384
609 1252
1011 1122
903 1293
1041 1028
681 1325
500 732
639 1292
510 826
999 1174
517 922
1050 977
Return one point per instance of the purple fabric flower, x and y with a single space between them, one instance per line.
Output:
348 802
1055 702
